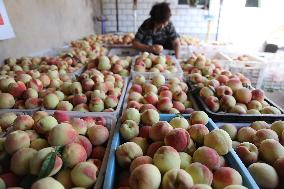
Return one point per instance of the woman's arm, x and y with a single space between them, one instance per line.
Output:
142 47
176 45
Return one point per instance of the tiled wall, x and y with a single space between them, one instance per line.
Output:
187 20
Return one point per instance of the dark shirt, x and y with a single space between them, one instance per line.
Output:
164 37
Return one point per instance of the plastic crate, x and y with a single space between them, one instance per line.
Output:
123 52
25 111
149 75
231 158
115 113
234 117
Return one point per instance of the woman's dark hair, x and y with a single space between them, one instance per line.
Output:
160 12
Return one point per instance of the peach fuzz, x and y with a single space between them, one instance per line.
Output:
140 161
127 152
207 156
180 134
264 134
37 160
84 174
219 140
270 150
200 173
177 178
246 134
226 176
153 148
142 142
145 176
47 182
16 140
73 154
62 134
159 130
247 152
98 134
167 158
98 152
197 133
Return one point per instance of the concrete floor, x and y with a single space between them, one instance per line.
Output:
277 97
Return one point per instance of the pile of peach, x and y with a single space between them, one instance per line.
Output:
111 39
186 40
94 92
165 96
148 62
26 90
177 154
114 64
30 139
260 148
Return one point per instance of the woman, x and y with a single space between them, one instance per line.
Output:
157 32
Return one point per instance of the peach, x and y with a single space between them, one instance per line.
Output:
264 134
164 104
223 90
73 154
16 140
270 110
134 104
166 93
246 134
243 95
38 115
219 140
190 149
212 102
270 150
244 106
235 187
62 134
39 144
35 84
23 122
84 174
45 124
200 173
17 89
7 101
226 176
79 125
185 160
131 114
75 88
199 117
32 134
158 80
235 144
37 160
153 148
64 177
166 158
180 96
177 178
264 175
238 110
98 134
47 182
150 98
178 106
205 92
223 79
32 103
145 176
98 152
230 129
254 104
98 94
136 88
173 111
88 84
197 133
142 142
234 84
159 130
227 102
145 107
257 94
127 152
61 116
207 156
179 122
78 99
129 129
96 105
180 134
150 117
5 82
144 132
201 186
140 161
247 152
135 96
7 119
111 101
278 127
148 87
85 142
10 179
82 108
50 101
278 166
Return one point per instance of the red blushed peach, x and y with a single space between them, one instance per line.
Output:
32 134
136 88
35 84
100 121
127 152
144 132
153 148
17 89
180 134
140 161
270 150
247 152
23 122
38 115
200 173
79 125
258 94
212 103
180 96
243 95
150 117
16 140
98 152
98 135
150 98
84 174
226 176
264 134
246 134
227 102
61 116
205 92
197 133
159 130
207 156
257 125
177 178
142 142
134 104
97 163
234 84
223 79
145 107
85 142
62 134
279 167
199 117
10 179
188 111
73 154
164 104
179 106
79 99
223 90
166 93
88 84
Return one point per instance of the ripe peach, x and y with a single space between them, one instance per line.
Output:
166 93
62 134
191 148
129 129
200 173
164 104
61 116
254 104
82 108
177 178
197 133
234 84
134 104
247 152
153 148
185 160
227 102
223 90
180 96
38 115
50 101
32 103
7 101
47 182
230 129
279 167
79 125
257 94
23 122
166 158
16 140
147 107
144 131
278 127
7 119
84 174
179 122
270 150
226 176
212 103
73 154
142 142
35 84
178 106
96 105
201 186
17 89
264 175
180 134
131 114
32 134
219 140
37 160
64 177
270 110
45 124
205 92
148 87
111 101
199 117
85 142
243 95
127 152
98 134
78 99
39 144
246 134
238 110
207 156
264 134
140 161
150 117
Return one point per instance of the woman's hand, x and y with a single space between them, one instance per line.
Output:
157 49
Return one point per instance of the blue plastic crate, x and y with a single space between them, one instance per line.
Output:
231 158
